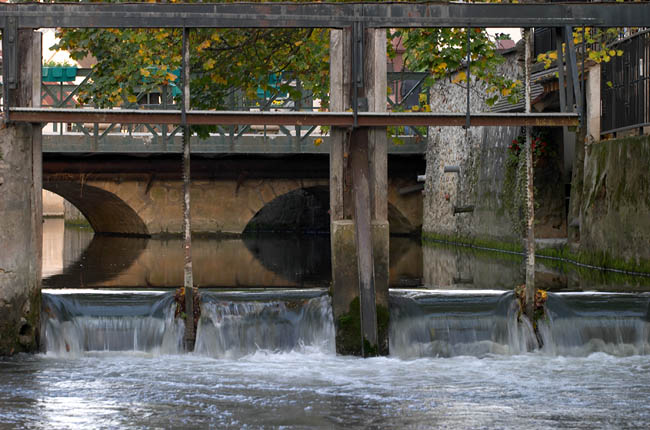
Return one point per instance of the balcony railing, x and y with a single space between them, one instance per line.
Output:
625 86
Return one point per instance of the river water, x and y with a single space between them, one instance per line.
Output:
265 357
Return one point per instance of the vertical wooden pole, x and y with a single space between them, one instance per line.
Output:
188 282
358 198
363 237
530 197
375 90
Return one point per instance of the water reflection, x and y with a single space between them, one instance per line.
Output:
460 267
74 258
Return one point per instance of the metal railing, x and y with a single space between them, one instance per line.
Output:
407 91
625 86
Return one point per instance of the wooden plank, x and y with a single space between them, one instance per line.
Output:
359 164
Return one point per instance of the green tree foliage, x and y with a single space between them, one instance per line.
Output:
594 44
443 51
133 61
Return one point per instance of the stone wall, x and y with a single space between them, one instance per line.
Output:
485 181
615 200
73 216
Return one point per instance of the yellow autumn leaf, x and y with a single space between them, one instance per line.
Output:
612 52
460 76
318 141
619 53
209 65
145 72
203 45
131 98
552 55
415 108
505 92
171 77
298 43
215 36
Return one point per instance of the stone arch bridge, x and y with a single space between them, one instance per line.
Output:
142 195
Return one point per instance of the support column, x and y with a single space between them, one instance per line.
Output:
358 192
21 210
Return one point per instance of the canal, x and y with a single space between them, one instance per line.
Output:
265 355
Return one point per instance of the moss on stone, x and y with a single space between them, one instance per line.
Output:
78 223
586 259
348 332
21 333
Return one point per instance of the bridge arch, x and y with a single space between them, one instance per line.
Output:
106 212
301 210
306 209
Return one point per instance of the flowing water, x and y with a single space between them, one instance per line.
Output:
264 358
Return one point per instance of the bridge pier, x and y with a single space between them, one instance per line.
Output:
358 199
21 228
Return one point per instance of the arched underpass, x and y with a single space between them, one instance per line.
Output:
106 212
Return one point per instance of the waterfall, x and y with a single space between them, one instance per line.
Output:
423 323
74 323
451 324
234 328
580 324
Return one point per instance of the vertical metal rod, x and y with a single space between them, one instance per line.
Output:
357 64
560 69
10 63
188 282
469 61
530 197
583 81
573 63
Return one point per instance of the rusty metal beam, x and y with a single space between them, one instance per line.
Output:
339 119
325 14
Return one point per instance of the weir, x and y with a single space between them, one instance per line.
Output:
358 160
430 323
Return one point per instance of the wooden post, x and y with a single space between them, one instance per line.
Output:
375 90
530 197
188 282
358 201
363 237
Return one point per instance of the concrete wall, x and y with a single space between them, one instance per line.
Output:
20 239
21 209
72 215
52 204
615 199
